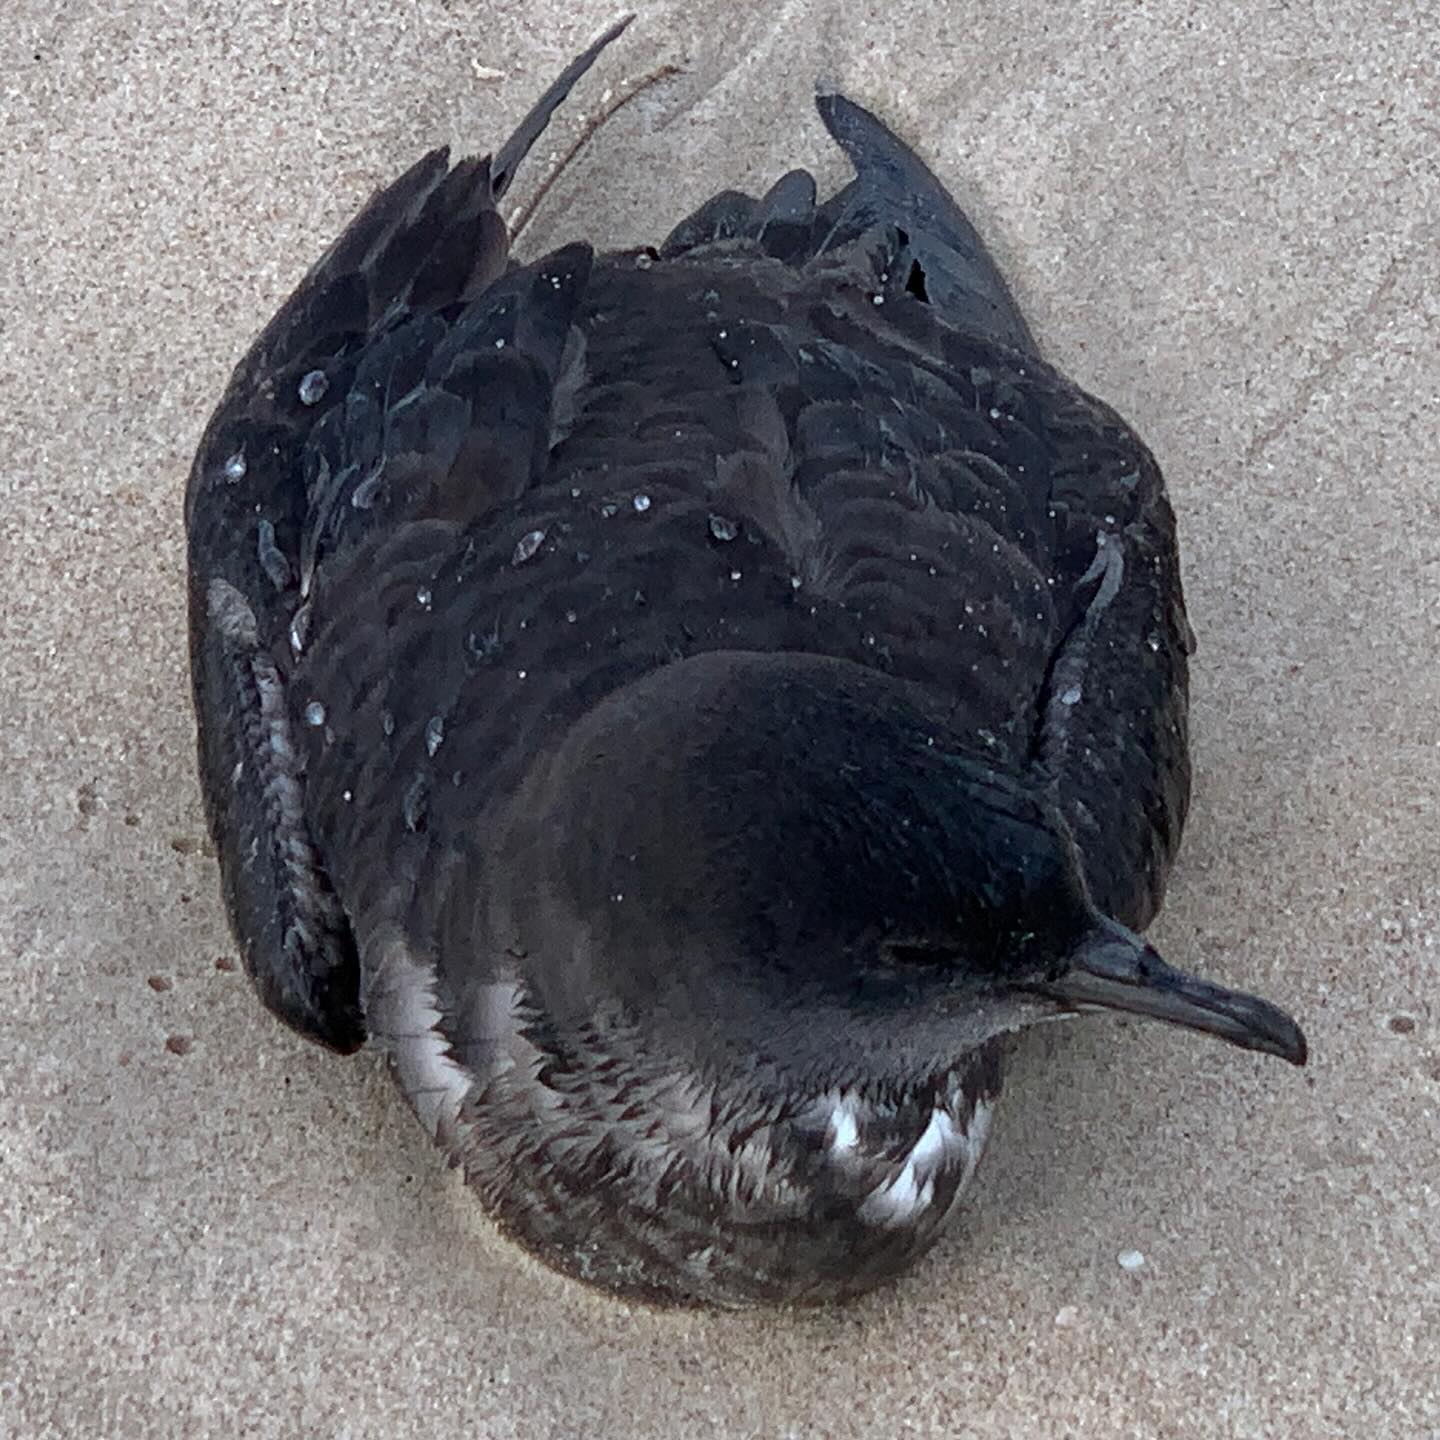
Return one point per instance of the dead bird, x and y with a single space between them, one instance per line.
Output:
689 706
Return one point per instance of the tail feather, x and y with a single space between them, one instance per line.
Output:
790 199
514 150
895 214
781 223
726 216
787 216
947 260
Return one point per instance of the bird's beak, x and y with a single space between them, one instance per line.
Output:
1114 969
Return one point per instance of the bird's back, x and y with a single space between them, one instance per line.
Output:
458 501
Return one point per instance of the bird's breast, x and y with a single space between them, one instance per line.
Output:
649 1179
905 1184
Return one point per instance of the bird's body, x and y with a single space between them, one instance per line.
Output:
601 664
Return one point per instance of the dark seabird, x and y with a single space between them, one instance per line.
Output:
688 706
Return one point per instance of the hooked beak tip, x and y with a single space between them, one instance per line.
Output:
1113 969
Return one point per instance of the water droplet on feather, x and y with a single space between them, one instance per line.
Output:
528 544
313 386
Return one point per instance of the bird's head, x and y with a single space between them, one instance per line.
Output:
783 866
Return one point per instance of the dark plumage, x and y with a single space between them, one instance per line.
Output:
688 706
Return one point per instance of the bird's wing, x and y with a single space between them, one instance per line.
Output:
312 446
986 527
